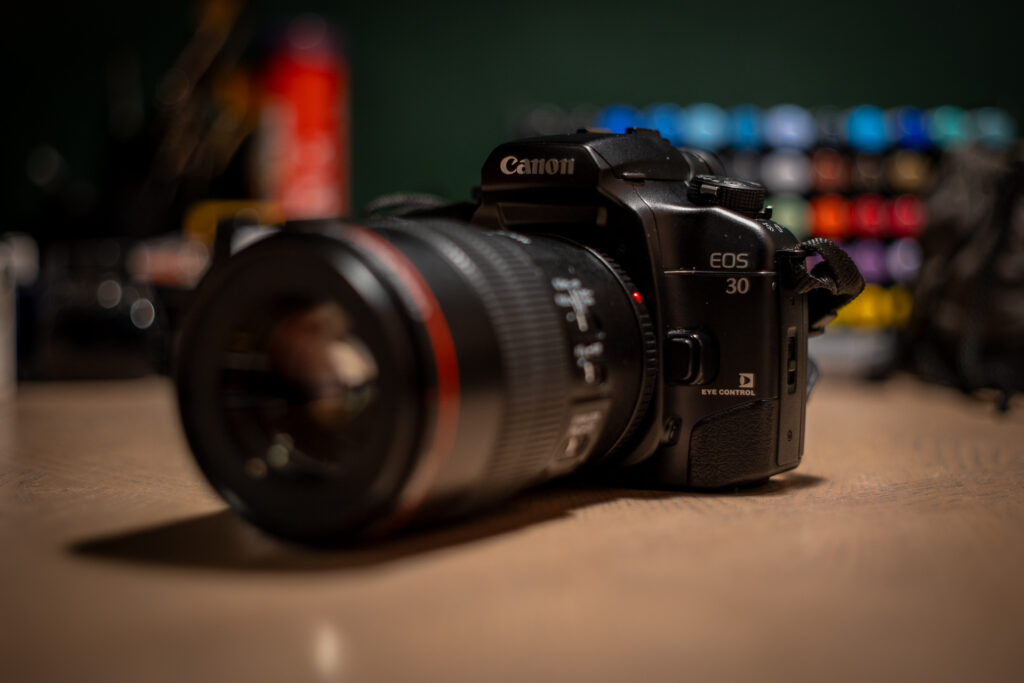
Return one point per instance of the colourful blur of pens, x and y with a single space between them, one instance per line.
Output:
864 129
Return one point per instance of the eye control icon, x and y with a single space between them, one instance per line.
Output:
746 380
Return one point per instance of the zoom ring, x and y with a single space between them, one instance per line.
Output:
534 370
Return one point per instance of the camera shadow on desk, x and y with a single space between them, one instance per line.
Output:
223 541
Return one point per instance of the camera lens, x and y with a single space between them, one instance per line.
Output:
336 379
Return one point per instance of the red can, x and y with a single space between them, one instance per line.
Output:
304 141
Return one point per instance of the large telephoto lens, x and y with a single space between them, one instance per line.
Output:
337 380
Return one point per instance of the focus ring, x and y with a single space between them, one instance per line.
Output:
535 373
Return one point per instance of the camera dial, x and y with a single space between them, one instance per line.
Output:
743 196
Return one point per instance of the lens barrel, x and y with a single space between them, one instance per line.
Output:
336 379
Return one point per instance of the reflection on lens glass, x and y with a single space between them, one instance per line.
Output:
308 381
313 352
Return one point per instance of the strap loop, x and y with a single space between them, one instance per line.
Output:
830 285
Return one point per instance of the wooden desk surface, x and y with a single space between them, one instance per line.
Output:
896 552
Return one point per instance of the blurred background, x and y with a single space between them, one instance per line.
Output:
131 131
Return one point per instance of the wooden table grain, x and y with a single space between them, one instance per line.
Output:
894 553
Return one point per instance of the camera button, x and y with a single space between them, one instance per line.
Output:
681 356
743 196
690 357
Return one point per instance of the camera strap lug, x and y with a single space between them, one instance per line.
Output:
829 285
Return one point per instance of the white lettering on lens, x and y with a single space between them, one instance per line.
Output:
512 165
570 293
585 355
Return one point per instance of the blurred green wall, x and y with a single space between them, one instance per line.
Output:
436 84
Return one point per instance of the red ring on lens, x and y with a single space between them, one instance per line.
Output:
425 473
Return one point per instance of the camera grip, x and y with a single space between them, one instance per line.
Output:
734 447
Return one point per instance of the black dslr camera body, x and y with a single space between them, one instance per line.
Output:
610 298
729 347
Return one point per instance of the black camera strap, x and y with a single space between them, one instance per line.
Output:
829 285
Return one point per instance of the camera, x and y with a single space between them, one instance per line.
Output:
608 299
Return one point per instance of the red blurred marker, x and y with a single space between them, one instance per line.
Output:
868 216
829 216
906 216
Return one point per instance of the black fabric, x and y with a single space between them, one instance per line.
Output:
967 327
829 285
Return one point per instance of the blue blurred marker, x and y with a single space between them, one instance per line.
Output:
667 119
866 129
950 126
707 127
994 127
909 128
789 127
618 117
745 124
